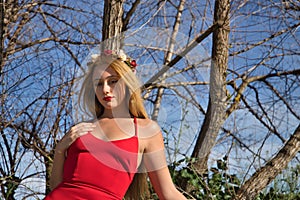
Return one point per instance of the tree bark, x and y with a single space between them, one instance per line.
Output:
48 167
262 177
1 36
112 24
215 116
168 57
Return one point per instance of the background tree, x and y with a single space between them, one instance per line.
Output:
252 116
41 45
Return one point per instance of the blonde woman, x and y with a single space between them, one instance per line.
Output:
109 157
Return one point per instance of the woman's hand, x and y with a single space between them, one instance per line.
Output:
74 133
61 147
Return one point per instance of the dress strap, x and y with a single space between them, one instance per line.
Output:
135 126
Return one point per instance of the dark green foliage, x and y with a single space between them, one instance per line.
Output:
217 184
285 187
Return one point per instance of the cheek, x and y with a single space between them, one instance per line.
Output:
99 93
97 90
120 91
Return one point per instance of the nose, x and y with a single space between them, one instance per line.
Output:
106 88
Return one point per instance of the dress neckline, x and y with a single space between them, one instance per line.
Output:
121 139
107 141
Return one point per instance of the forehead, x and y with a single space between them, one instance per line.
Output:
103 73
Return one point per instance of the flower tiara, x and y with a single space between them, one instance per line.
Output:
117 54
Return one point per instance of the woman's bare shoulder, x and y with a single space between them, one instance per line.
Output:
148 128
149 123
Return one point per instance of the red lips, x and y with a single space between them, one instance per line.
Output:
108 98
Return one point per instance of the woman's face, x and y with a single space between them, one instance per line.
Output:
110 89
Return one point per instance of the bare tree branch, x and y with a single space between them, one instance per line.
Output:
189 47
262 177
266 39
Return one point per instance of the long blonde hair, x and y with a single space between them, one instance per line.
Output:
89 103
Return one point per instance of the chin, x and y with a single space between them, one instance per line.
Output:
110 106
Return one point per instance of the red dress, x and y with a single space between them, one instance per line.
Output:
97 170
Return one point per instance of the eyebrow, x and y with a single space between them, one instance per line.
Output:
112 76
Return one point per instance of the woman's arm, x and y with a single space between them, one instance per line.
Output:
57 169
163 185
61 148
156 165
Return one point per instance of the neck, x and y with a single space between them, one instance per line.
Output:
119 112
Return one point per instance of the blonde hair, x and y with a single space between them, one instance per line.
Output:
89 103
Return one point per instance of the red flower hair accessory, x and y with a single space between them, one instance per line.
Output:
120 54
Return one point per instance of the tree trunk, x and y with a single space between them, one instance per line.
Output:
48 165
112 24
1 36
169 54
262 177
215 115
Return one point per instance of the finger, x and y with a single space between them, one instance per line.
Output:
83 131
80 131
75 132
83 127
85 124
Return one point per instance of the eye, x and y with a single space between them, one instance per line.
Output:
98 84
112 81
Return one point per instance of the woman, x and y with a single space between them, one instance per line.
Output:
100 159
